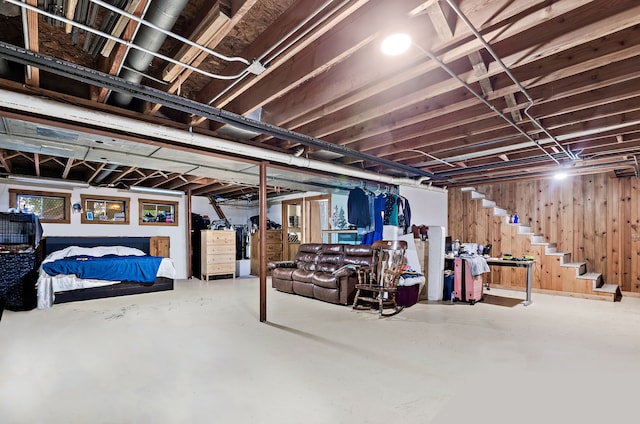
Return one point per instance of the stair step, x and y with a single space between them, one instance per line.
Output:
574 264
488 203
499 211
595 277
607 288
538 239
590 275
581 267
524 229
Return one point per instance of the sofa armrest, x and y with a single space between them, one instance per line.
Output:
346 271
281 264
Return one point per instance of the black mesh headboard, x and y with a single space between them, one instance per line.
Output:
52 244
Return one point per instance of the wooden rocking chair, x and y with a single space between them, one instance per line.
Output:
378 285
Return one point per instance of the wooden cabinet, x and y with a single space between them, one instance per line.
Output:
274 249
160 246
303 221
217 253
292 223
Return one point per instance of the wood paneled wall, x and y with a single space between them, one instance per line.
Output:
596 218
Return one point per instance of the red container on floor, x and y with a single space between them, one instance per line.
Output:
466 288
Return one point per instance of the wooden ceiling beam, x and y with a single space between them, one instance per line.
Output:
116 58
67 168
120 175
36 163
443 18
239 9
32 75
322 93
214 21
121 27
6 163
69 13
598 90
97 171
287 22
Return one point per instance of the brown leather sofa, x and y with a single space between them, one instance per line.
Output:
322 271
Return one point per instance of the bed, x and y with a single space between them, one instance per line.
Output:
112 266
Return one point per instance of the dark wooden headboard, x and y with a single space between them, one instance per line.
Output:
52 244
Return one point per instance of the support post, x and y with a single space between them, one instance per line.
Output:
263 241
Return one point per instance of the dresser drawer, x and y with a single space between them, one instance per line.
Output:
219 237
224 268
274 256
220 249
224 258
274 237
274 248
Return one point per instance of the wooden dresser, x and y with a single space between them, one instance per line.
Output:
274 249
218 253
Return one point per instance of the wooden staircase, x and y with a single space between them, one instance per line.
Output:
554 272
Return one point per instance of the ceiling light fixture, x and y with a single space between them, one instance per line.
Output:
560 175
48 181
396 44
153 190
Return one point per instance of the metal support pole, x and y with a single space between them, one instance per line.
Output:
263 241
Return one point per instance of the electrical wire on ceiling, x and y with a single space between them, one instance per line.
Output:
506 69
251 66
431 157
266 57
171 34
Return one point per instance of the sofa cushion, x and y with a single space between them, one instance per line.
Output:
328 295
302 275
336 249
357 255
328 262
282 285
303 289
282 273
325 279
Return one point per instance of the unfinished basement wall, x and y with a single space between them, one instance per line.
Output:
595 217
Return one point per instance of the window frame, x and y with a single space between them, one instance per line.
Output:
126 203
156 202
15 192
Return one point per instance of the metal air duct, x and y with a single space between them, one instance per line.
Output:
163 14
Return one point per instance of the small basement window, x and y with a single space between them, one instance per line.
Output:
105 209
50 207
157 212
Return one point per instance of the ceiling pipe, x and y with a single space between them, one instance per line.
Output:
506 69
188 106
150 24
162 14
25 35
263 57
470 89
66 112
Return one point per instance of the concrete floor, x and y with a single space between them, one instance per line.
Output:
198 354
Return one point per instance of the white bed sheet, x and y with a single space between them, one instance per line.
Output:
48 285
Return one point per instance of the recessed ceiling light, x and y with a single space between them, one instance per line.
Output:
560 175
396 44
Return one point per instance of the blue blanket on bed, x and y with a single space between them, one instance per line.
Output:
139 269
